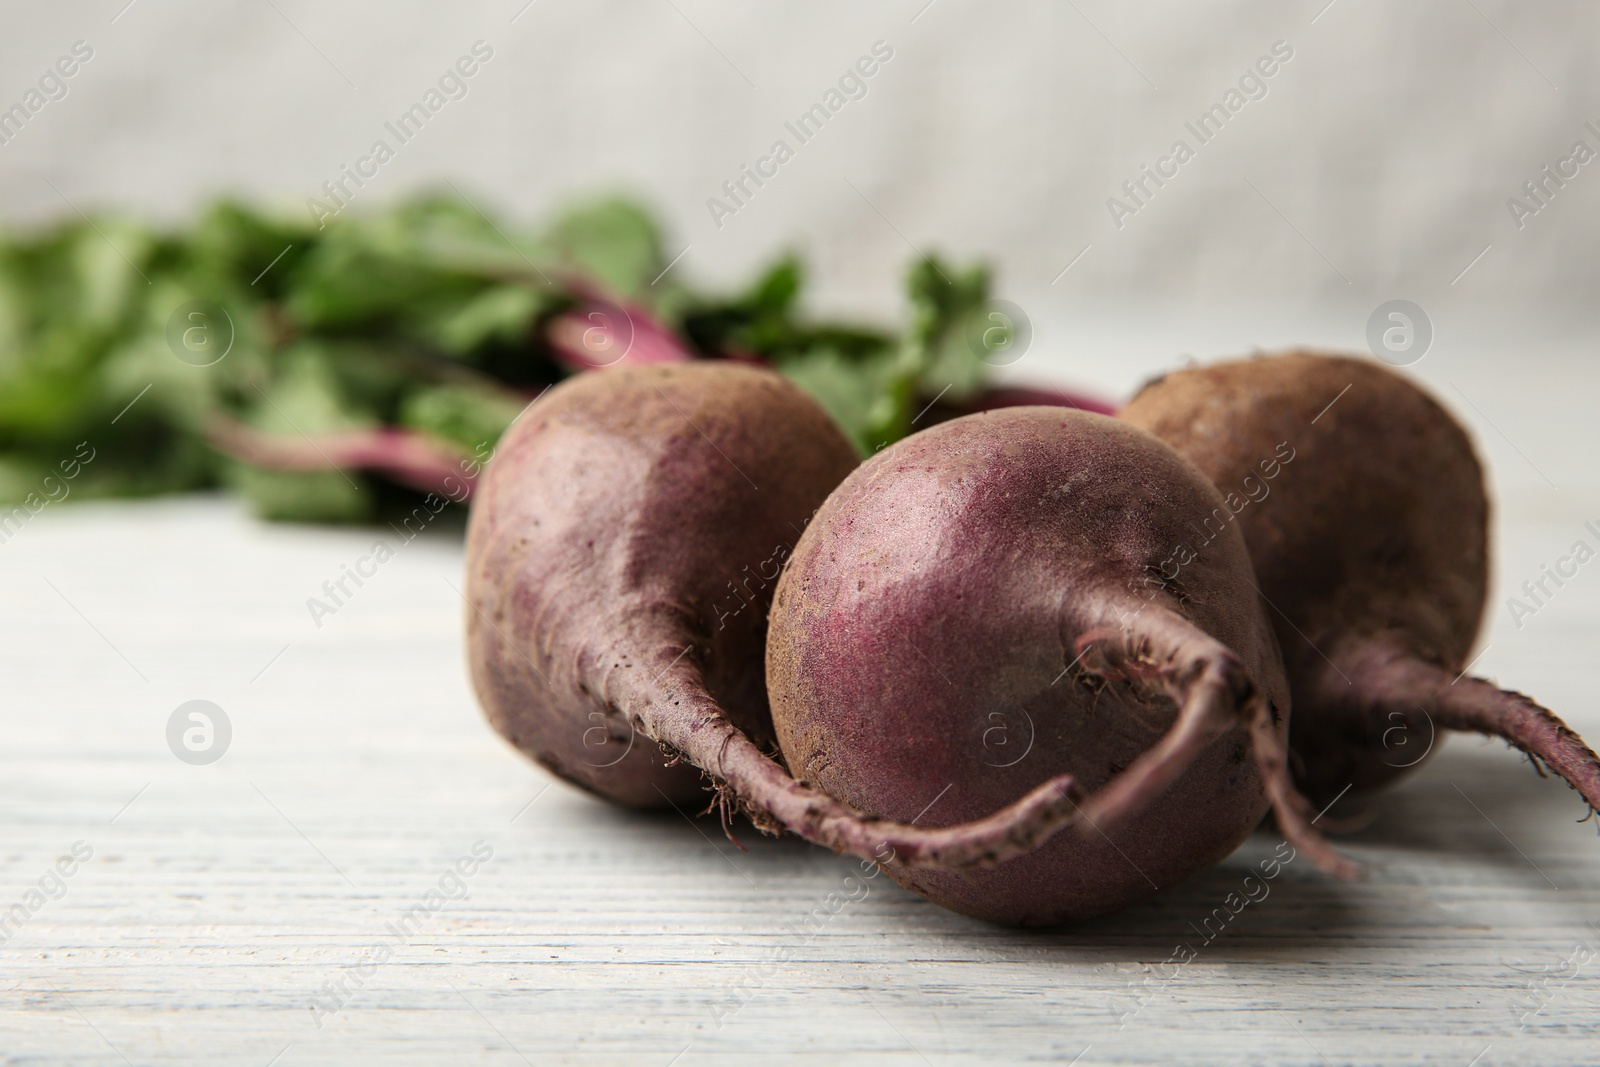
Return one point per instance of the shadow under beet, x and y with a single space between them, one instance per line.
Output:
1477 809
1476 797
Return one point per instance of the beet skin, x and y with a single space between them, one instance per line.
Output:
1371 545
621 555
1006 597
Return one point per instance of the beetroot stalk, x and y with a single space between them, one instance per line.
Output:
407 456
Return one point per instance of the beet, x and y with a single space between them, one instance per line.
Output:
1371 546
1002 571
621 555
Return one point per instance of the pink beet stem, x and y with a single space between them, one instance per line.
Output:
580 341
594 336
407 456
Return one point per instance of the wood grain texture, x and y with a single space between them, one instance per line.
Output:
221 899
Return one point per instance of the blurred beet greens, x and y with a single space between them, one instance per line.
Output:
325 373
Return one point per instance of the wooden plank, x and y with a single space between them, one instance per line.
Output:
221 900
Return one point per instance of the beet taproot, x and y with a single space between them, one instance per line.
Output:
621 555
999 572
1371 547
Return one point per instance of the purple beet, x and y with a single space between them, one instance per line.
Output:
621 555
1004 572
1371 544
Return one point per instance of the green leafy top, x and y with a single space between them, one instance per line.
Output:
430 318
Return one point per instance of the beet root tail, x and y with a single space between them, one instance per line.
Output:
678 713
1465 703
1290 809
1476 704
1214 694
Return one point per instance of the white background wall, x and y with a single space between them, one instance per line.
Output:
1378 165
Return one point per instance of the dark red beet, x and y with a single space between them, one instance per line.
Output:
1001 571
621 553
1371 544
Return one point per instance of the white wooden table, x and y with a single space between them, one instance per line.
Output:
222 900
